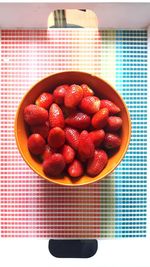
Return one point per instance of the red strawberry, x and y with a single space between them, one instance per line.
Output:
68 153
67 111
113 109
86 146
42 129
47 152
75 169
99 119
97 137
34 115
56 137
78 120
87 91
73 96
36 144
44 100
72 137
56 117
111 141
54 165
114 123
97 163
59 93
90 104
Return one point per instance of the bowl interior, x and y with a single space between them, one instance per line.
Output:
101 89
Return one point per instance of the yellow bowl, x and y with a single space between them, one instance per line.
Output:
101 89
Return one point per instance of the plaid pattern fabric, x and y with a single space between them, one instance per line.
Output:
114 207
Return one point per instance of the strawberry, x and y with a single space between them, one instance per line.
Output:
97 137
87 91
113 109
67 111
73 96
44 100
90 104
97 163
68 153
114 123
34 115
56 137
75 169
72 137
78 120
111 141
56 117
42 129
54 165
59 94
47 152
99 119
36 144
86 146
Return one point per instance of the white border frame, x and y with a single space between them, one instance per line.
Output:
111 253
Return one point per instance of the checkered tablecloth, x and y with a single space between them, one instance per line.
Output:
114 207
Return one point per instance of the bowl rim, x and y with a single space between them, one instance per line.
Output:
53 179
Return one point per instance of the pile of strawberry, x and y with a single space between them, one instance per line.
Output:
72 130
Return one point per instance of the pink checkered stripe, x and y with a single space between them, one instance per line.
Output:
30 206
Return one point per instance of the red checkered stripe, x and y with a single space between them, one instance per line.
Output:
29 205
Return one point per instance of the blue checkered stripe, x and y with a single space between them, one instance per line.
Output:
131 176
